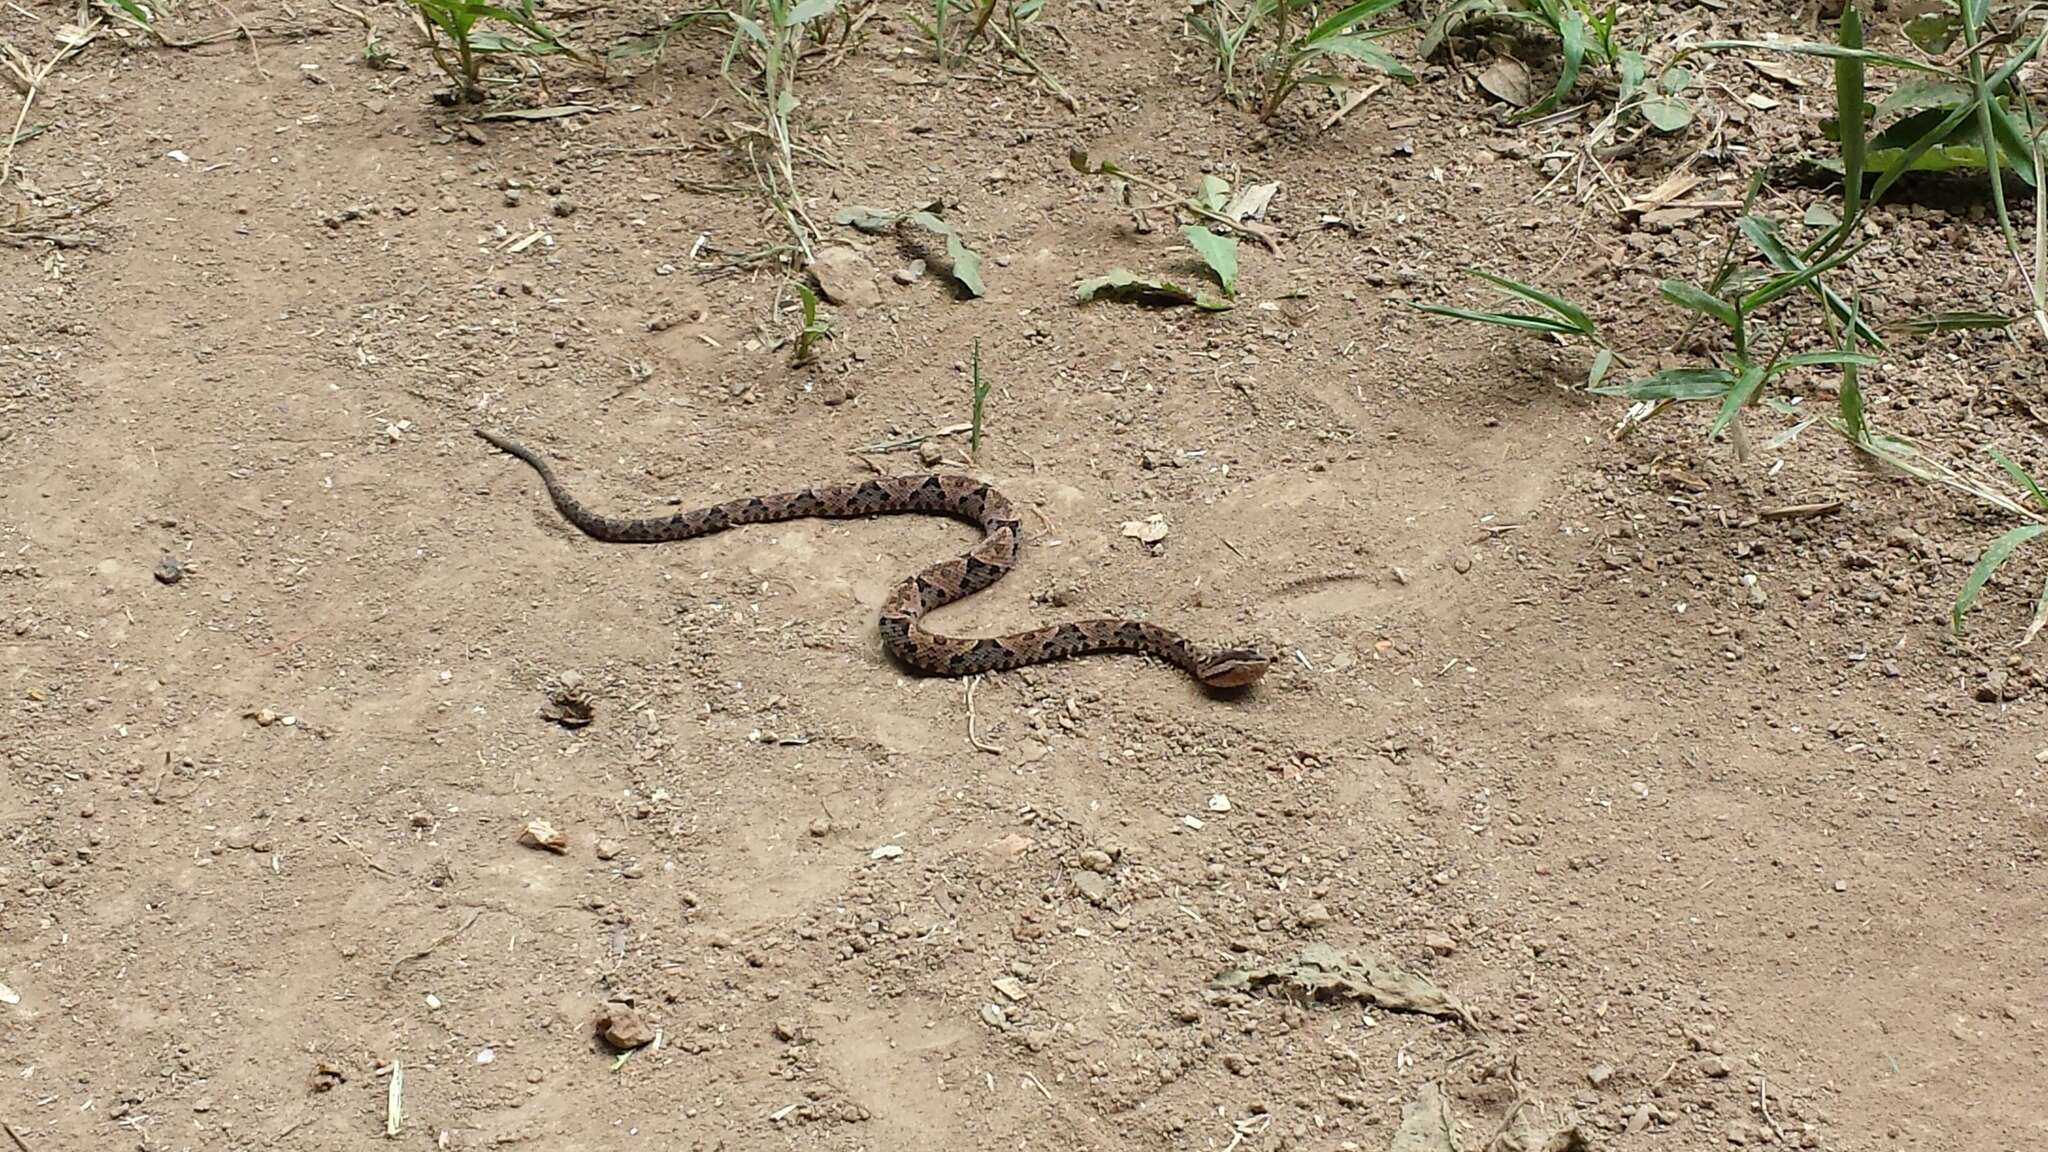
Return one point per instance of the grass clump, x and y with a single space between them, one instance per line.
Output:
1301 46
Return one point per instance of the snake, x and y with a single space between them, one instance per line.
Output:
904 636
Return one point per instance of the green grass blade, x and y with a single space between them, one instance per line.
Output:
1693 383
1820 49
1743 390
1849 102
1778 286
1515 320
1849 400
1954 120
2020 476
1957 321
1602 361
1359 48
1763 232
1572 313
1344 19
2000 550
1689 296
1821 359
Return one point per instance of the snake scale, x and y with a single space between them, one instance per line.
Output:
903 633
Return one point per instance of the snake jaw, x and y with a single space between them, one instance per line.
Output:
1234 667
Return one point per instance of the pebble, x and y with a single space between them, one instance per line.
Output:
1599 1074
1315 915
168 570
623 1028
845 277
1096 860
607 849
910 273
1219 803
1716 1067
821 827
1439 943
1093 887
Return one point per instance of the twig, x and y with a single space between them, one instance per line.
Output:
1059 91
31 81
23 1144
1763 1104
255 60
437 943
340 839
913 441
1802 511
394 1106
974 737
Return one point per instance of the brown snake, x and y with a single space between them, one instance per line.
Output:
903 634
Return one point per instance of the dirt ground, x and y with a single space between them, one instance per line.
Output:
1693 802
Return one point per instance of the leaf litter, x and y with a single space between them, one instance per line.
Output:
924 235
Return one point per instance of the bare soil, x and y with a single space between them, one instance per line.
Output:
1684 789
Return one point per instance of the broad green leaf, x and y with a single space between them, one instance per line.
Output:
1218 252
1688 296
1213 193
1123 284
965 262
1675 80
1931 32
1633 69
1666 113
1999 551
808 11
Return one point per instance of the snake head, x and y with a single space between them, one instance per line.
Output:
1234 667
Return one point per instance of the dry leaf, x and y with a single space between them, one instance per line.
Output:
1507 80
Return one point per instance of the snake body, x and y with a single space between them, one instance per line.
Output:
904 636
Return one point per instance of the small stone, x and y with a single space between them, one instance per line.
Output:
886 852
1237 1065
622 1028
1461 565
563 206
1012 988
203 1104
992 1015
168 570
449 203
929 454
1439 943
633 871
1716 1067
1094 887
786 1030
541 834
821 827
910 273
1599 1074
845 277
1219 803
514 197
1315 915
607 850
1096 860
1640 1121
1841 885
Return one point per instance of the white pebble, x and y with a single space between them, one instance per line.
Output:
1219 803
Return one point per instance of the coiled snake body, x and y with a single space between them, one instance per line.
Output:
903 634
